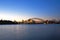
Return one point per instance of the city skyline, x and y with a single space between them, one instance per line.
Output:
24 9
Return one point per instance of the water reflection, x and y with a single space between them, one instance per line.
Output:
30 32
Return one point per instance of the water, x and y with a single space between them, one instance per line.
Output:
30 32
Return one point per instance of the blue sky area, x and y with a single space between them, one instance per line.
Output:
24 9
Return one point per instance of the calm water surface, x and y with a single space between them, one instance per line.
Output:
30 32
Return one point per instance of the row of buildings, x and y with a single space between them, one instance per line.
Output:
40 21
31 21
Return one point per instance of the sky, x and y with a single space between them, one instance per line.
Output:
24 9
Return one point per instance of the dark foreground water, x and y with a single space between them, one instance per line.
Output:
30 32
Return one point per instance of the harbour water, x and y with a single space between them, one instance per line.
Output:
30 32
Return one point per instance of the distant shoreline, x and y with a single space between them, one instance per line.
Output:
30 21
9 24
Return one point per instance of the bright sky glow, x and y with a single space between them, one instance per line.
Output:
24 9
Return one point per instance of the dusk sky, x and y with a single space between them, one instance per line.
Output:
24 9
